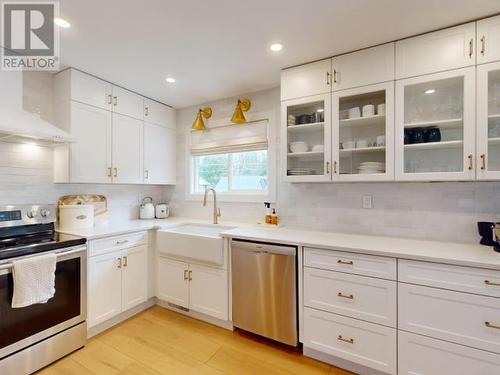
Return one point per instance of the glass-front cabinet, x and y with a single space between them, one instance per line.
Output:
488 121
435 126
363 133
306 131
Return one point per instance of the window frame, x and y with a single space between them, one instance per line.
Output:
240 196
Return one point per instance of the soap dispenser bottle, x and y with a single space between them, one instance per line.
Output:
268 212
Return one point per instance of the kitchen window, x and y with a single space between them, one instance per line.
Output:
235 160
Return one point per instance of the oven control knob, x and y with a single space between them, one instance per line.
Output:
45 212
32 213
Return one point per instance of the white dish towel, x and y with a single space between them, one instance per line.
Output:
34 280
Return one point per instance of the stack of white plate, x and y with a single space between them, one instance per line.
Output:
301 171
370 167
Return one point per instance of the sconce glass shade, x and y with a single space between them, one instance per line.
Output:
238 117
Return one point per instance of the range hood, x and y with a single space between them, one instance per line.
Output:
20 126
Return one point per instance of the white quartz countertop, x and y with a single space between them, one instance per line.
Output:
433 251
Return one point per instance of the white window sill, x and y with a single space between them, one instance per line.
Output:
234 198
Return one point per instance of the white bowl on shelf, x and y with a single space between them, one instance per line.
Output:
298 147
318 148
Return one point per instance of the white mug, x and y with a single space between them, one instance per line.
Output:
381 109
354 112
368 110
381 140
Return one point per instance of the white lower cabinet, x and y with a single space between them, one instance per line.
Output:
194 287
366 344
423 355
117 282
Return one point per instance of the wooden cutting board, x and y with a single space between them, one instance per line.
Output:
99 202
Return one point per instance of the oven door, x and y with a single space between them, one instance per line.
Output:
22 327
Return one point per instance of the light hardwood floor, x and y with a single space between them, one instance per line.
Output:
159 341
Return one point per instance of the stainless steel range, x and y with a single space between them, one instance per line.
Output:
34 336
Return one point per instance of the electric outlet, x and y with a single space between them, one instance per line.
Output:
367 201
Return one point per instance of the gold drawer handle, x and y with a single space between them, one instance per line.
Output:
349 296
349 341
340 261
489 325
488 282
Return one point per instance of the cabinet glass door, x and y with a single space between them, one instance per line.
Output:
363 133
306 125
488 121
435 126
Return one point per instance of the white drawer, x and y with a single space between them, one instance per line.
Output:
452 316
355 296
366 265
423 355
463 279
107 244
366 344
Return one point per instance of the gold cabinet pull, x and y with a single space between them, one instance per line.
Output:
335 166
119 262
110 99
115 101
146 174
190 275
483 161
334 76
125 261
146 111
470 162
328 78
349 341
490 325
471 47
109 171
121 242
186 275
488 282
483 45
340 261
116 172
348 296
327 167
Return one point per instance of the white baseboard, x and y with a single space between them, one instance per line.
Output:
196 315
120 317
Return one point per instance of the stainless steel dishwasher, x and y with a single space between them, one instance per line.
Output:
264 289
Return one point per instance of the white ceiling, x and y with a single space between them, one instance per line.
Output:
219 48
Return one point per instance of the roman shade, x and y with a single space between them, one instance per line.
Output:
227 138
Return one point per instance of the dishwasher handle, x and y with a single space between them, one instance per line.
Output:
263 248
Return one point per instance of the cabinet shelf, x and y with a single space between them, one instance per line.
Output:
362 149
363 121
306 127
449 123
434 145
494 141
494 117
308 154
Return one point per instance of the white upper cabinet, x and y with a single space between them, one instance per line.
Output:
127 150
159 114
365 67
488 40
488 121
442 50
306 80
127 103
89 157
363 133
159 155
435 126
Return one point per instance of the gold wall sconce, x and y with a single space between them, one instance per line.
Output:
242 106
198 123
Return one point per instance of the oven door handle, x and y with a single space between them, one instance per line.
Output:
59 254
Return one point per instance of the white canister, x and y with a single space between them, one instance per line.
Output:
368 110
381 109
76 216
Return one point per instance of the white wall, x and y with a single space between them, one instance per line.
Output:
446 211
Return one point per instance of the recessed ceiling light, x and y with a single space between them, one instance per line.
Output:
430 91
170 79
62 23
276 47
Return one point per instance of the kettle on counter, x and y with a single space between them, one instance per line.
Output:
147 209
